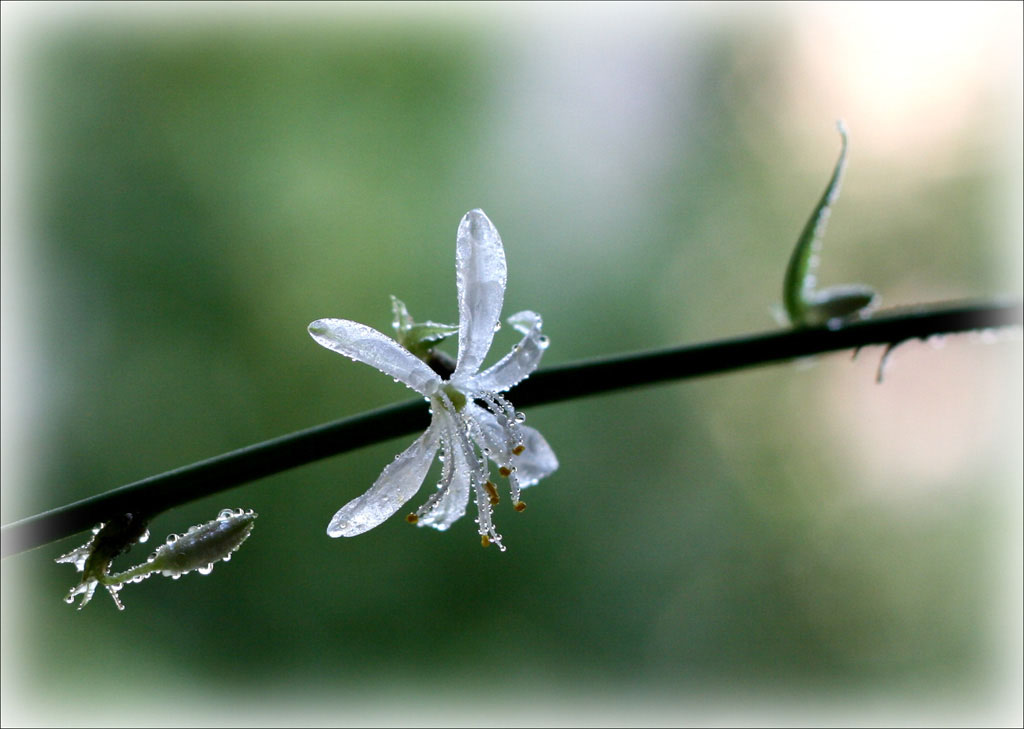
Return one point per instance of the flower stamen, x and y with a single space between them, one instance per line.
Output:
508 418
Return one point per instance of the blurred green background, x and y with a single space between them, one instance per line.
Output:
186 187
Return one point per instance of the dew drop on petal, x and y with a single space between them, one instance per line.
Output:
520 417
543 341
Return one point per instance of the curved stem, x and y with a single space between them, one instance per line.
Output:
564 382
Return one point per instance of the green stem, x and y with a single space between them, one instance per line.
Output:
564 382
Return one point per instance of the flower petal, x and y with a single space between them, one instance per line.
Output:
535 462
517 365
480 276
397 483
367 345
453 504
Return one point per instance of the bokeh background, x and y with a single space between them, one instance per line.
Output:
185 187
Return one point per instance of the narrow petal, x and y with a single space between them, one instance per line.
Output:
517 365
365 344
535 462
397 483
453 504
480 276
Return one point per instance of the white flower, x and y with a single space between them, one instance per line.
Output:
471 421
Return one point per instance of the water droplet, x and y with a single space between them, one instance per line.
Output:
520 418
171 539
225 514
497 325
989 335
543 341
206 570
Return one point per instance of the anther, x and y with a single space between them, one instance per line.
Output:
518 449
412 518
492 492
520 506
485 541
504 471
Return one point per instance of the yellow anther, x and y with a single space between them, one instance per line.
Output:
412 518
520 506
492 492
485 541
504 471
518 449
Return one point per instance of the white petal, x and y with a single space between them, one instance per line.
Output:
397 483
367 345
480 276
535 462
517 365
453 504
